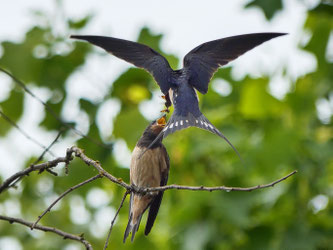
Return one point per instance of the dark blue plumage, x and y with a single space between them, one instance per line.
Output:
179 86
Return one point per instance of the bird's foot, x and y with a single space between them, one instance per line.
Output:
166 110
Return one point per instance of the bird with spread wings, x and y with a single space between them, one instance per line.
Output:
179 86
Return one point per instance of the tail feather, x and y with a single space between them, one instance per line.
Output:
177 123
131 227
153 210
128 228
206 124
136 227
180 122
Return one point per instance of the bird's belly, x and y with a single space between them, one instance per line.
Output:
186 101
145 172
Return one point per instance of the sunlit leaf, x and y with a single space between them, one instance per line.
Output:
255 101
12 108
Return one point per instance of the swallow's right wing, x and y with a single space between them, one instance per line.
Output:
138 54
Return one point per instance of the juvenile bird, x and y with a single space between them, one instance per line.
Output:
179 86
150 170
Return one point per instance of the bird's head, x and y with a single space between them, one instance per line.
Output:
151 132
158 125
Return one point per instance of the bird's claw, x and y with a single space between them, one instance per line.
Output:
166 110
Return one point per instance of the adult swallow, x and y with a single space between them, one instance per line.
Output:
150 170
178 86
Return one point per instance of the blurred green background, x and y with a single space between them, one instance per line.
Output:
274 136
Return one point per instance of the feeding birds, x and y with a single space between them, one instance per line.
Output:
150 170
179 86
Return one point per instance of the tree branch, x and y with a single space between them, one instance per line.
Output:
49 147
49 229
79 153
114 219
39 167
96 164
13 184
219 188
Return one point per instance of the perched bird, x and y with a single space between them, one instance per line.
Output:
150 170
179 86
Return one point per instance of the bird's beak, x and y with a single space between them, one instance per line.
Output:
162 121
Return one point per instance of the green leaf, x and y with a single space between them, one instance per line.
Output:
132 87
90 108
79 24
323 8
50 121
13 108
255 102
269 7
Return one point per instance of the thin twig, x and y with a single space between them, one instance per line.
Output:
48 148
51 111
49 229
11 122
63 195
13 184
219 188
114 219
79 153
39 167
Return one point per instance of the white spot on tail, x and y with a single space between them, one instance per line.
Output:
186 120
176 124
171 125
196 121
210 126
206 124
201 122
165 129
181 123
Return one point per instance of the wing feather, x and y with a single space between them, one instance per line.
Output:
202 62
137 54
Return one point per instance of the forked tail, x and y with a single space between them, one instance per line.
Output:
131 227
180 122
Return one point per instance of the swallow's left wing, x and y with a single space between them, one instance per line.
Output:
155 205
202 62
138 54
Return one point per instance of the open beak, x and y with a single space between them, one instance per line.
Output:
162 121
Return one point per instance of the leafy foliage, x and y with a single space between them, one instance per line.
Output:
274 136
269 7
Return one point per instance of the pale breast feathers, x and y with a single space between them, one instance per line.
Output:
146 171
